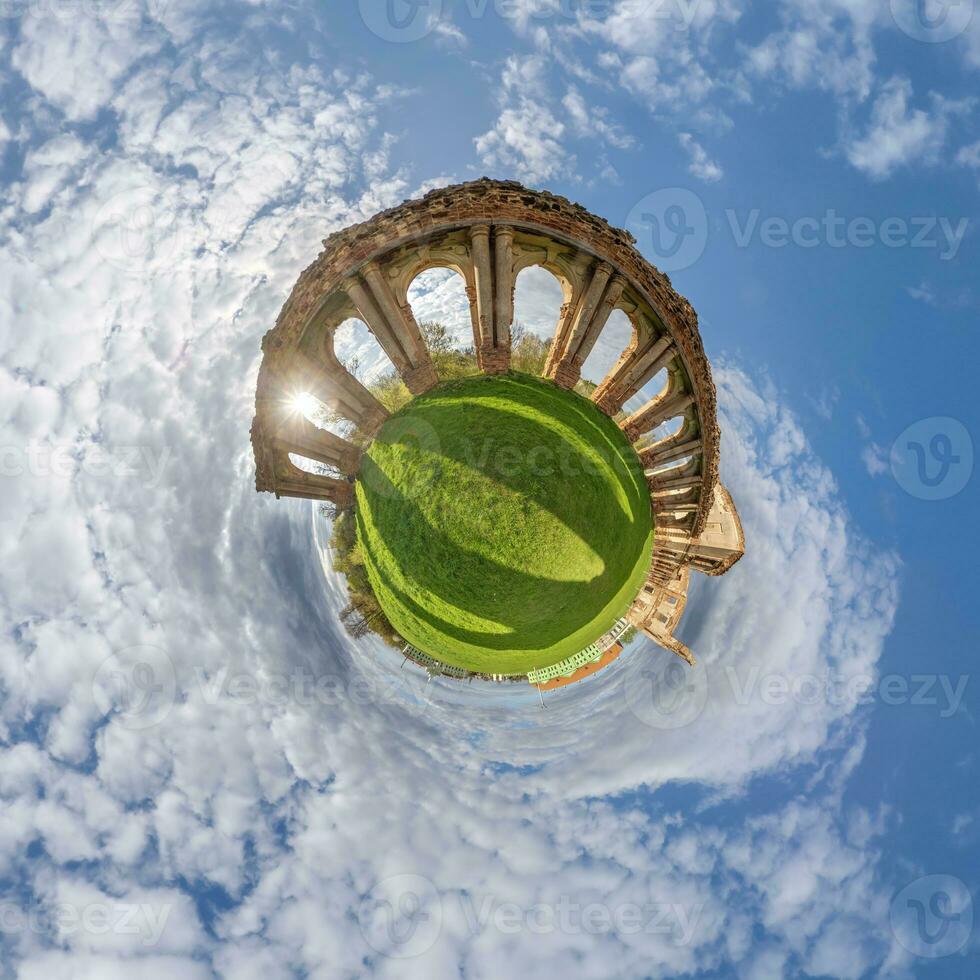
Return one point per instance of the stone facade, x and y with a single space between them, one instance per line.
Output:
658 607
488 231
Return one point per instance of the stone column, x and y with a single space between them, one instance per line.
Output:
656 482
493 272
562 328
480 247
340 391
362 296
587 308
503 258
631 373
578 329
658 410
669 449
299 435
610 298
394 326
312 486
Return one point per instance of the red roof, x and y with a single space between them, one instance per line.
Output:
587 671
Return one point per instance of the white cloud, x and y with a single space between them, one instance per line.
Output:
969 156
962 822
897 134
151 282
526 139
532 134
701 165
875 459
593 121
826 45
74 60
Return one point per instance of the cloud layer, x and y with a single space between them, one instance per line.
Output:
248 806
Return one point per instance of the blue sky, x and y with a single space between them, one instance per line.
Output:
202 777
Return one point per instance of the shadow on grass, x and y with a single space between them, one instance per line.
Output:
533 612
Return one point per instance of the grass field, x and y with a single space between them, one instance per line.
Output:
504 523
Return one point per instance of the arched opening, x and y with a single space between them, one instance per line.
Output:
308 465
322 416
616 337
359 351
647 393
667 428
538 298
441 308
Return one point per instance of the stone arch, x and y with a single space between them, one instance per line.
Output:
650 350
388 316
539 295
360 351
438 293
619 334
309 465
489 231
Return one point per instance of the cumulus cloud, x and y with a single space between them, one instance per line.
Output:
969 156
526 139
898 134
187 734
534 132
675 58
826 45
74 62
701 165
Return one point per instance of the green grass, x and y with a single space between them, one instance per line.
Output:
504 523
